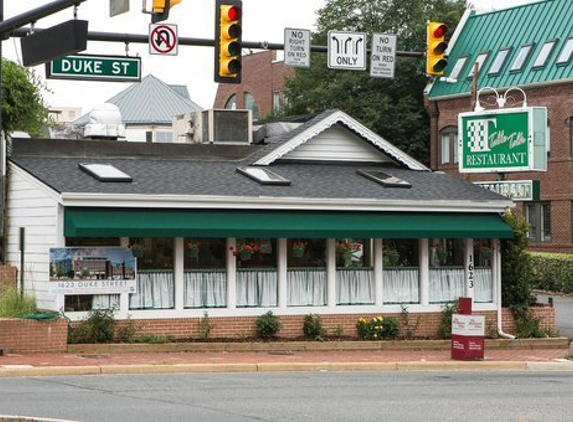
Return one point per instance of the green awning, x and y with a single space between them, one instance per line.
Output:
128 222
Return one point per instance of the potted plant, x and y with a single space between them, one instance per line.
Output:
442 254
391 257
298 248
347 249
245 251
486 252
193 249
137 249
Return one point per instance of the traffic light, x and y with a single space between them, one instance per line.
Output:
160 9
436 45
228 41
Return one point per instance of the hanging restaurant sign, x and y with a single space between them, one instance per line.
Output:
503 140
516 190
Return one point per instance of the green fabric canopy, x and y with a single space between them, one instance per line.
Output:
136 222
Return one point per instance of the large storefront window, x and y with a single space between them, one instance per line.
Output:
78 303
446 269
354 272
205 274
155 283
401 271
483 257
256 272
306 272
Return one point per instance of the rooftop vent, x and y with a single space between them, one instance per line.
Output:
217 126
105 123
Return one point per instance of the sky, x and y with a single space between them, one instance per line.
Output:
263 20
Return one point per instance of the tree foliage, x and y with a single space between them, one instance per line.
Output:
517 267
394 108
23 107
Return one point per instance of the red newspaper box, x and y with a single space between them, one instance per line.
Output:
468 333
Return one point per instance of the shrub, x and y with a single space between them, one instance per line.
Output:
517 269
98 327
445 330
154 339
312 327
409 329
338 332
378 328
127 331
268 326
552 271
205 326
13 304
527 326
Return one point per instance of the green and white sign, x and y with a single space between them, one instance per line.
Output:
95 67
504 140
516 190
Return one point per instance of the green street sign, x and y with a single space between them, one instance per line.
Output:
504 140
95 68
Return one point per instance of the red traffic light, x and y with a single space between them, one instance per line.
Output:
234 13
440 30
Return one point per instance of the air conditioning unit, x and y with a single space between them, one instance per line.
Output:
216 126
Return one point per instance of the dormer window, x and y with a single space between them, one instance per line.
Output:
458 67
522 56
544 53
479 61
565 55
499 61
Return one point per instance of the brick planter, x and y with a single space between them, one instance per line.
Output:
32 336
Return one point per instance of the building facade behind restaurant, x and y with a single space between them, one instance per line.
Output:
546 81
262 87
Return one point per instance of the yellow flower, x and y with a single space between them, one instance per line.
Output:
375 335
379 318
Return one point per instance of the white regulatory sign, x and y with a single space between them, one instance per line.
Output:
383 56
297 47
163 39
347 50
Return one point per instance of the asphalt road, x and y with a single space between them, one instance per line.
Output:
318 396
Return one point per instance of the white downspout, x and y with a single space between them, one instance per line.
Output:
497 273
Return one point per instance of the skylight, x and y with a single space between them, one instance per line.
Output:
458 67
521 58
565 55
499 61
384 179
263 176
479 60
105 172
544 54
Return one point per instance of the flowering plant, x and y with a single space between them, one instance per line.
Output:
137 249
348 246
193 248
245 250
298 246
377 328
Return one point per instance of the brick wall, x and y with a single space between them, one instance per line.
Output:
244 327
32 336
8 277
260 77
556 184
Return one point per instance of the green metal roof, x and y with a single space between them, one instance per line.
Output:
531 24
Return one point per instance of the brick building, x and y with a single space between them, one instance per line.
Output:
529 47
262 87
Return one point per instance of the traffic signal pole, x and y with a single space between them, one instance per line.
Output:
198 42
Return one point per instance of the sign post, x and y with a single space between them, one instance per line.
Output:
297 47
347 50
383 56
95 67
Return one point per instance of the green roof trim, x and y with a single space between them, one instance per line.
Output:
128 222
531 24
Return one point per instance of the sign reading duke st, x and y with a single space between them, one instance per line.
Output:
504 140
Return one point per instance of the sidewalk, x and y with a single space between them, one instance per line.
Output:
87 363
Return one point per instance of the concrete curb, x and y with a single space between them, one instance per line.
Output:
561 365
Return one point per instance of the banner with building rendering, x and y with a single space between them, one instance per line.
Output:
94 270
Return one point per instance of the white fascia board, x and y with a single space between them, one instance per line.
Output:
56 196
341 117
273 203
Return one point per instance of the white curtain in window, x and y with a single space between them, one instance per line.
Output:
154 290
401 285
256 288
306 287
355 286
105 302
446 284
205 289
483 285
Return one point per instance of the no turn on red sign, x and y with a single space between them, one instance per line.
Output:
163 39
